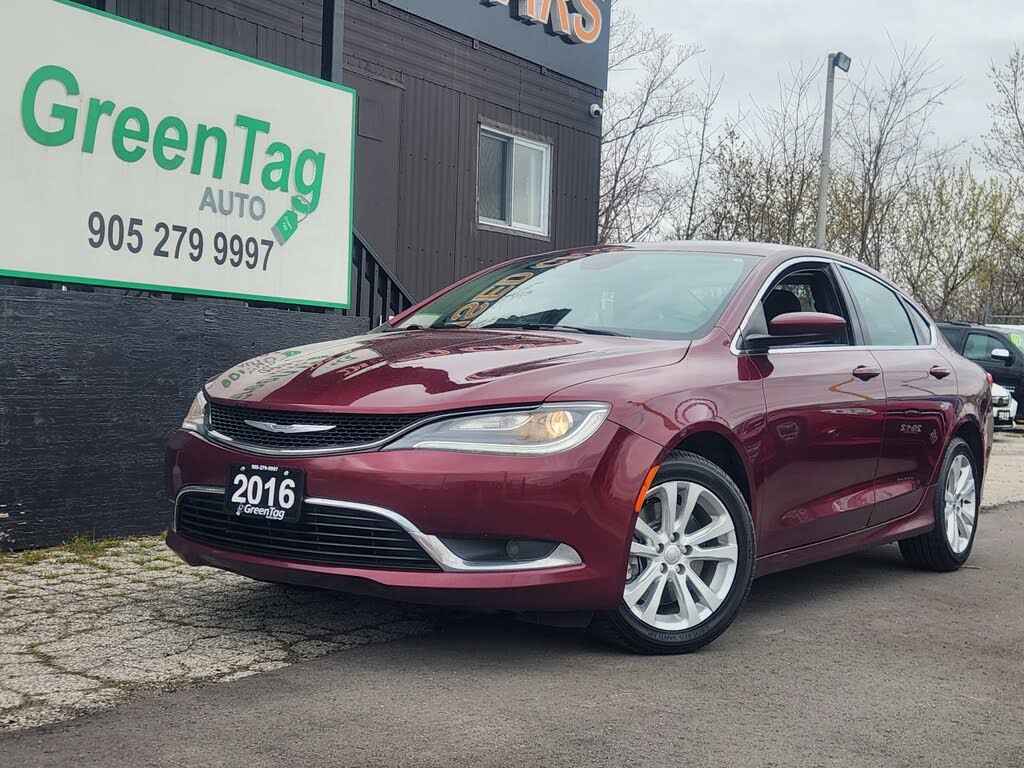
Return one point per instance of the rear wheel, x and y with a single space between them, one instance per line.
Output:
691 561
947 546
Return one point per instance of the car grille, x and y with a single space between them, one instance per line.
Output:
322 536
348 430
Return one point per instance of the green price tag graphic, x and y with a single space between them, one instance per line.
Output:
289 220
285 227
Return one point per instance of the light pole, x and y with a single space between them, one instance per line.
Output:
835 61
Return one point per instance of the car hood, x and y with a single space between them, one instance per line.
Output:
434 370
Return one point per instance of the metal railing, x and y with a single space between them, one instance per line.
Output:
377 293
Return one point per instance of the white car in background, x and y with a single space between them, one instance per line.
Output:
1004 407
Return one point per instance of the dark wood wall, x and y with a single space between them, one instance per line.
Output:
91 387
423 92
289 33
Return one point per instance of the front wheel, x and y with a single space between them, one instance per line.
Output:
691 561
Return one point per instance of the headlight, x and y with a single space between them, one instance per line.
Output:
535 432
195 419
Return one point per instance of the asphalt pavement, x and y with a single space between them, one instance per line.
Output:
854 662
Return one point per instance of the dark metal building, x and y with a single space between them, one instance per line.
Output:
478 140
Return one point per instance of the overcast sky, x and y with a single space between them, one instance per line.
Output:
750 42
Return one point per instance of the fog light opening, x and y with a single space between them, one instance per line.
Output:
499 551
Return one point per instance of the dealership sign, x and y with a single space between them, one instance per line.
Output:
139 159
578 20
575 43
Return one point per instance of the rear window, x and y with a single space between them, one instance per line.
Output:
654 294
921 327
953 335
882 313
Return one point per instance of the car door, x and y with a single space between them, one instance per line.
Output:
825 407
1006 371
920 388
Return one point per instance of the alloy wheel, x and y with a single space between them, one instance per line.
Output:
683 557
960 509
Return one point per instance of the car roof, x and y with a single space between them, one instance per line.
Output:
775 252
711 246
981 326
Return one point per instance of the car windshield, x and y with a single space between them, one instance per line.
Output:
611 290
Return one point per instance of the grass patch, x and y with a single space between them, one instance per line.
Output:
85 548
79 549
31 556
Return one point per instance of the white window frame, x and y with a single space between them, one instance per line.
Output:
510 224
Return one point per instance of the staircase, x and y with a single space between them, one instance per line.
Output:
377 294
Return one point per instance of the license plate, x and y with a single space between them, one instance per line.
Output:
265 492
1004 415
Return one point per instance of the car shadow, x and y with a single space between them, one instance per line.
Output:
776 599
866 571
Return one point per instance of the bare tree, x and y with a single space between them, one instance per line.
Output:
884 134
764 169
1004 145
950 240
698 144
639 184
790 144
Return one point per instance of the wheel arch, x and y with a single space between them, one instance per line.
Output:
718 445
971 432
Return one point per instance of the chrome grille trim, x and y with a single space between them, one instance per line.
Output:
446 560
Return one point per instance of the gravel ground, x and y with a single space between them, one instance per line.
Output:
1005 481
84 627
82 632
858 662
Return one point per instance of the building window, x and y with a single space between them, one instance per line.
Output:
515 182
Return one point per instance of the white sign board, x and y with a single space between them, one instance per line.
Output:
136 158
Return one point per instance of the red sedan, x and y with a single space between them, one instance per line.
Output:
623 436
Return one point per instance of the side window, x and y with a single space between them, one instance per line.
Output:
976 347
921 327
805 290
882 313
979 347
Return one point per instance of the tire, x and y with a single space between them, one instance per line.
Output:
938 550
674 624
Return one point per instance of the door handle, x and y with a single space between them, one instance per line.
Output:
939 372
866 372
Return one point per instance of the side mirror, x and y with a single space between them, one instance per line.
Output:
807 323
797 328
1002 355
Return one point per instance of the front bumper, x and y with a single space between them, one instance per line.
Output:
582 498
